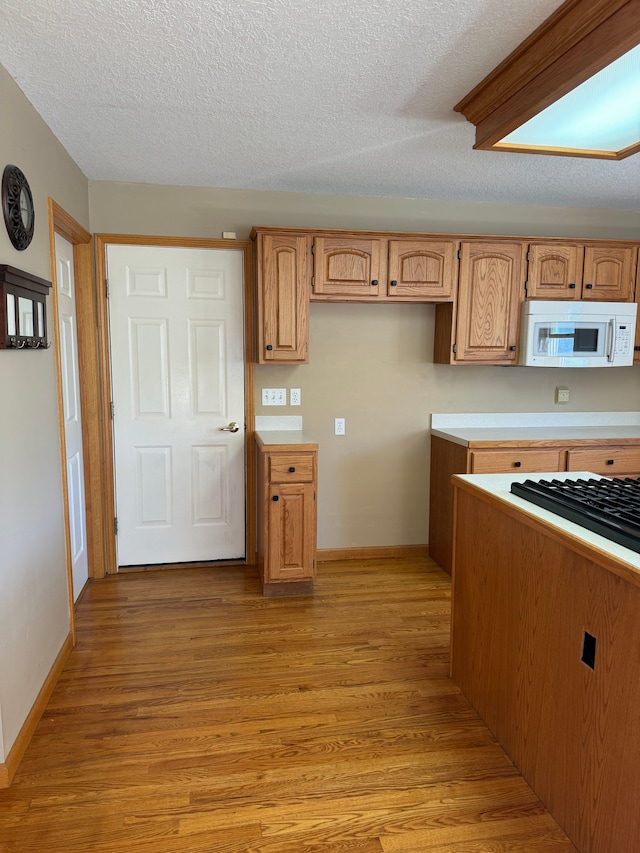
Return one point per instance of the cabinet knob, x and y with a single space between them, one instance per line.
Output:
374 282
572 287
517 464
610 461
394 283
269 347
513 349
637 349
588 286
275 498
292 470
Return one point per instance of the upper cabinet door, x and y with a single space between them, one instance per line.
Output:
555 271
422 269
489 297
348 266
609 273
283 299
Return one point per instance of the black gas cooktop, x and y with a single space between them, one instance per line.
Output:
608 507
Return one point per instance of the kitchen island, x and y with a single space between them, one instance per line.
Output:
607 443
546 646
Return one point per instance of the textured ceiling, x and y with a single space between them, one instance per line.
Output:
340 96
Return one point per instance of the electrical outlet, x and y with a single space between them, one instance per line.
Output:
562 395
294 397
274 396
340 426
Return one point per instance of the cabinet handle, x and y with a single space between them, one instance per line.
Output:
275 498
292 470
610 461
374 283
513 349
394 283
588 286
572 287
517 464
269 347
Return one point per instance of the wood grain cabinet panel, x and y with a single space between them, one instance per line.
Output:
573 271
609 461
422 269
517 460
491 287
286 518
554 271
282 299
609 273
348 266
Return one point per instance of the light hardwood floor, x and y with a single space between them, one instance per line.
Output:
195 715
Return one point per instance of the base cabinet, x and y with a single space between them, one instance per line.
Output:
286 518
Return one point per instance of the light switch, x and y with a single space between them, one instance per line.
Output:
274 396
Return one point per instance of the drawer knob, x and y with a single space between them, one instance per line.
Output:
394 283
517 464
610 461
275 498
292 470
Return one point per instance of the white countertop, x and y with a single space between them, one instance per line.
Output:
274 437
498 485
535 426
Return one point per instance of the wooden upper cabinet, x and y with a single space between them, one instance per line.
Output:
491 287
349 266
422 269
574 271
555 271
283 299
609 273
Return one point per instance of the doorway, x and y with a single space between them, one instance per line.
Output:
158 465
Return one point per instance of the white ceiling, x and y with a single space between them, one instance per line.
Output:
340 96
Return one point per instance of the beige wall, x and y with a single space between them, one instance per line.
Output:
34 610
373 364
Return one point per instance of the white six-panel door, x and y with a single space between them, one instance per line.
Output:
65 283
177 363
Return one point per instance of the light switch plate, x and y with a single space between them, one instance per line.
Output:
274 396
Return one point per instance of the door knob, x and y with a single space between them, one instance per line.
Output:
233 427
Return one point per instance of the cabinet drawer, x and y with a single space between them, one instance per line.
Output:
504 461
291 468
610 461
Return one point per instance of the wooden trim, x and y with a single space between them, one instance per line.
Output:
17 751
108 482
62 223
464 238
329 555
575 42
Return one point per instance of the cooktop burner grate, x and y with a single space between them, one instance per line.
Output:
610 508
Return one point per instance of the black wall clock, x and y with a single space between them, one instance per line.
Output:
17 207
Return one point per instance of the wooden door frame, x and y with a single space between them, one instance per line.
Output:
101 241
60 222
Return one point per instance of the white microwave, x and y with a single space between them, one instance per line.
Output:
577 334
